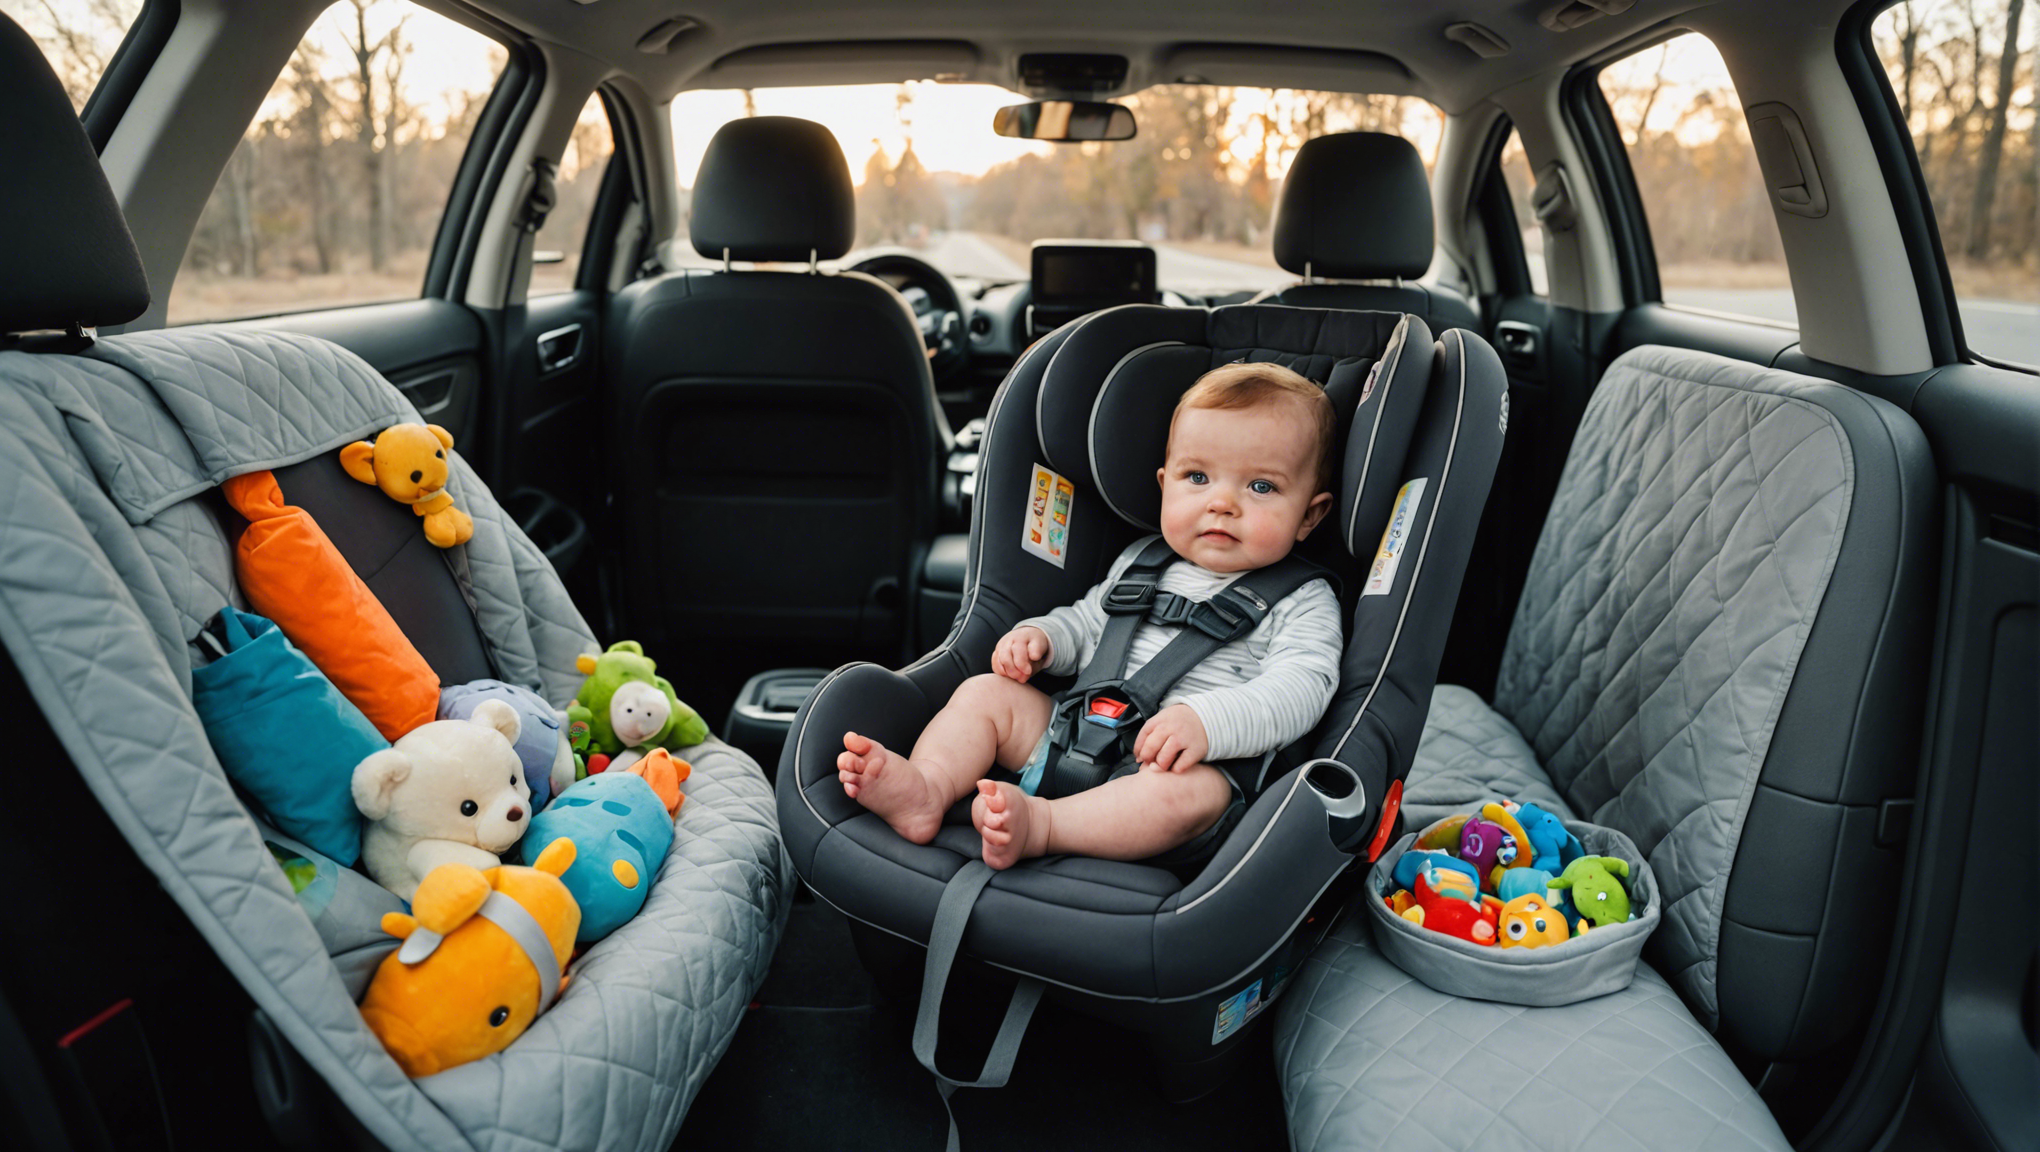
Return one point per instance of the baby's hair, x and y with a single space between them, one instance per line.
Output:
1245 385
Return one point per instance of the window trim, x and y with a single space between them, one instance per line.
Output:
482 167
1607 158
1904 180
115 92
1491 199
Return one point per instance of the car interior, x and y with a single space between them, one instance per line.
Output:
1685 364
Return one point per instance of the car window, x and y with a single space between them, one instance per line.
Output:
1963 74
1517 177
1696 173
1198 181
335 193
556 252
78 37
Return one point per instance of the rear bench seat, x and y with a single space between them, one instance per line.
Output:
115 548
1721 650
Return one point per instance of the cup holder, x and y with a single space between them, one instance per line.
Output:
1337 787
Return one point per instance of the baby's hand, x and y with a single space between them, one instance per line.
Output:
1173 741
1020 653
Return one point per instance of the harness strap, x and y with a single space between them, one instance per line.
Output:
1231 614
945 936
1126 604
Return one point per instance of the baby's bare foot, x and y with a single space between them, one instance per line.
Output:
1013 824
890 785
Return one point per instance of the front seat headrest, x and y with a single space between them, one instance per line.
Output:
773 188
1355 206
66 256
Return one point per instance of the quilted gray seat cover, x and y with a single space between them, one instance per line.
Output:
110 557
1686 553
1372 1058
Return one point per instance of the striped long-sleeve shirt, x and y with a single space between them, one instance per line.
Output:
1254 695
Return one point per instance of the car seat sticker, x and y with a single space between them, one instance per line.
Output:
1045 530
1394 538
1235 1011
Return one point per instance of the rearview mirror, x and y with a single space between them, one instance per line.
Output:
1065 121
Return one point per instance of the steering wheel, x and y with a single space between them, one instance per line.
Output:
941 322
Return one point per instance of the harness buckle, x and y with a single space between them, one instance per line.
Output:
1219 622
1128 596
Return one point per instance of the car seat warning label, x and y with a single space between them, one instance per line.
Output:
1045 531
1235 1011
1394 538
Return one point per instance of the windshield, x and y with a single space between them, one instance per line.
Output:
1198 183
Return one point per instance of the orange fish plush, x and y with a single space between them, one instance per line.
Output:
482 957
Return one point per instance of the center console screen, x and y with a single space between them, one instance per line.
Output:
1070 280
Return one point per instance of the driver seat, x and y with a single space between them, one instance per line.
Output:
777 441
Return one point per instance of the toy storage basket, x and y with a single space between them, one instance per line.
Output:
1595 964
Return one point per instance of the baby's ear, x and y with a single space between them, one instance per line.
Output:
1320 504
358 459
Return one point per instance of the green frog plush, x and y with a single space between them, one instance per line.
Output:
628 709
1597 893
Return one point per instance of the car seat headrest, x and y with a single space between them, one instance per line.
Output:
773 188
1102 411
1355 206
66 256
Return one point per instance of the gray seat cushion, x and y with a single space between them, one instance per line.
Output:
1371 1058
1471 754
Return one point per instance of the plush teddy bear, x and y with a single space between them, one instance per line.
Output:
482 957
629 708
408 462
542 742
448 792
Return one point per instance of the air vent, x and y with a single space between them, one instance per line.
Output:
1478 40
660 39
1572 13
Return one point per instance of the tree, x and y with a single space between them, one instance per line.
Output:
1978 246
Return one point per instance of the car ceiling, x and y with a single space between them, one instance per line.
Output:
1396 46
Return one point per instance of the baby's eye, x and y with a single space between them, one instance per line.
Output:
1196 477
1261 488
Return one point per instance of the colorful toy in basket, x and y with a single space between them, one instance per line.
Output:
1595 883
408 462
541 743
1528 922
448 792
1519 882
621 822
629 708
1493 843
1554 845
482 957
1456 909
1414 862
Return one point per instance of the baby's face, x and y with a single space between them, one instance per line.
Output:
1239 488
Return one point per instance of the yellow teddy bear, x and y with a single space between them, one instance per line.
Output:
408 462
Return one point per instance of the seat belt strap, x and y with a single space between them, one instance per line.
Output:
945 936
1231 614
1126 604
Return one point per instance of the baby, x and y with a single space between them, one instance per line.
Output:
1247 475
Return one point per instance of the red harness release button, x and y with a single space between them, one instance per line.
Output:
1109 708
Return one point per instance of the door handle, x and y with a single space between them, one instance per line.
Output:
1518 342
559 349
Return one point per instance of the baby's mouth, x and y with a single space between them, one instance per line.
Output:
1215 535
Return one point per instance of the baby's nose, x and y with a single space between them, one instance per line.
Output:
514 815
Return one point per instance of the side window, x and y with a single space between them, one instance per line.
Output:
556 251
1516 175
1964 77
335 193
1696 172
78 37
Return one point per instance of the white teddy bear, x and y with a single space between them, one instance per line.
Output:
451 791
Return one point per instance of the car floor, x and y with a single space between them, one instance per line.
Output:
823 1061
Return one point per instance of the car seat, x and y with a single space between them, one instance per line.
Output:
1187 959
115 548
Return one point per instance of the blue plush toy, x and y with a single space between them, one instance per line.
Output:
1410 863
621 830
1554 846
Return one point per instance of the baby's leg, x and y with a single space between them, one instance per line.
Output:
1132 818
990 720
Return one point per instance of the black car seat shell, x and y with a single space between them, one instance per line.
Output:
1131 941
1356 206
784 423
